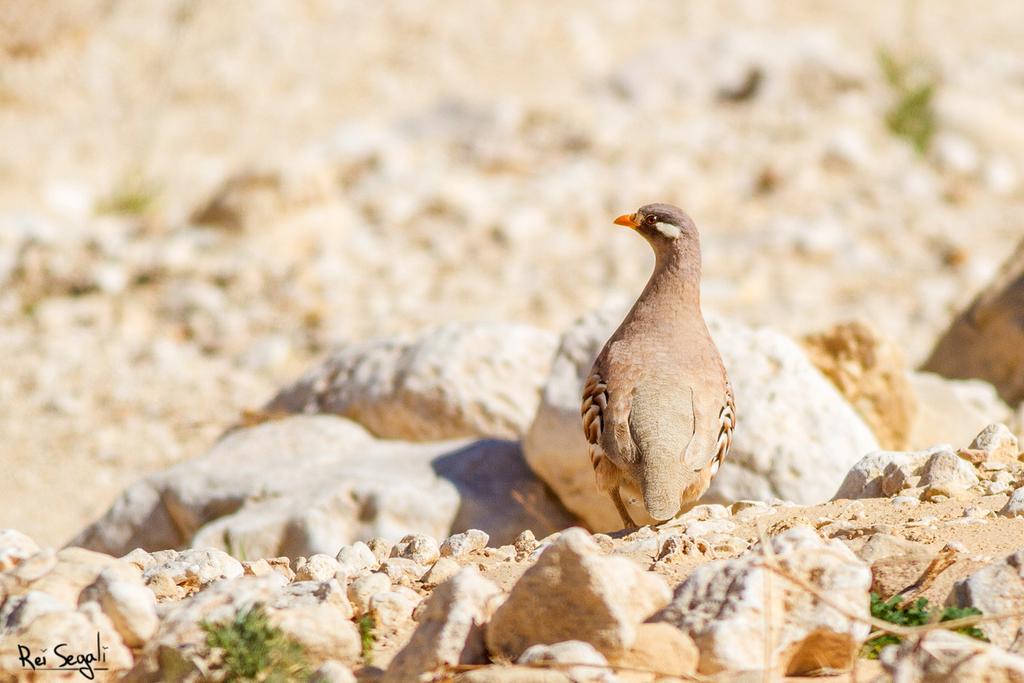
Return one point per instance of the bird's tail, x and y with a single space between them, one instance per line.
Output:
661 483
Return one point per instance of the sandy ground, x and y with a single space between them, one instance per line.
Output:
416 162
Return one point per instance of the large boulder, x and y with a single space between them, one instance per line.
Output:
746 616
986 341
795 439
459 380
953 411
311 484
869 371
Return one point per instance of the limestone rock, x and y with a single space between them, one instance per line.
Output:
364 588
15 547
393 608
1015 505
450 629
357 559
572 652
419 548
317 567
795 440
193 569
869 371
884 473
130 606
311 484
573 592
733 608
940 656
661 647
444 569
456 381
63 574
458 545
513 674
947 474
953 411
987 340
997 442
78 630
997 588
333 671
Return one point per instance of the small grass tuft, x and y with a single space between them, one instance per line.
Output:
912 114
367 637
915 614
134 196
251 649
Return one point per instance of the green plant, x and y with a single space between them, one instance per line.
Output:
912 114
251 649
914 614
367 637
134 196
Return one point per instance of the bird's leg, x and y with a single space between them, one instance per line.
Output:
621 507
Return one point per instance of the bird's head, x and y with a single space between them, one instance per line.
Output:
663 225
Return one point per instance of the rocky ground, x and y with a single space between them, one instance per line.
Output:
296 300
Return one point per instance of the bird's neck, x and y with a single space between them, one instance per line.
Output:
676 276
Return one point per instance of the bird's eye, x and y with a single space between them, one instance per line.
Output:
651 220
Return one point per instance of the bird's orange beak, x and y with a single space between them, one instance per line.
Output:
627 220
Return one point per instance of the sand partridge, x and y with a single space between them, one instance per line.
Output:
658 409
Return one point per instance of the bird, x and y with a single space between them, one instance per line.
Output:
658 409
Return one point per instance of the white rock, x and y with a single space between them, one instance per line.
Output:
997 441
744 616
450 628
311 484
419 548
362 589
458 545
882 473
575 592
130 606
317 567
1015 505
392 609
18 611
402 570
196 567
795 440
941 655
997 588
459 380
357 559
571 652
945 469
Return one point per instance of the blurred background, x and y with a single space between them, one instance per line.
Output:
199 198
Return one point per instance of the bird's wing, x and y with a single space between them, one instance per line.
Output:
595 402
726 425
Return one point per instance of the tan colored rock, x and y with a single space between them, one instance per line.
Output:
574 592
661 647
986 341
65 573
333 671
130 606
15 547
1015 505
193 569
744 616
941 656
869 371
451 628
883 473
324 631
357 559
312 593
402 570
946 474
997 442
444 569
460 380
